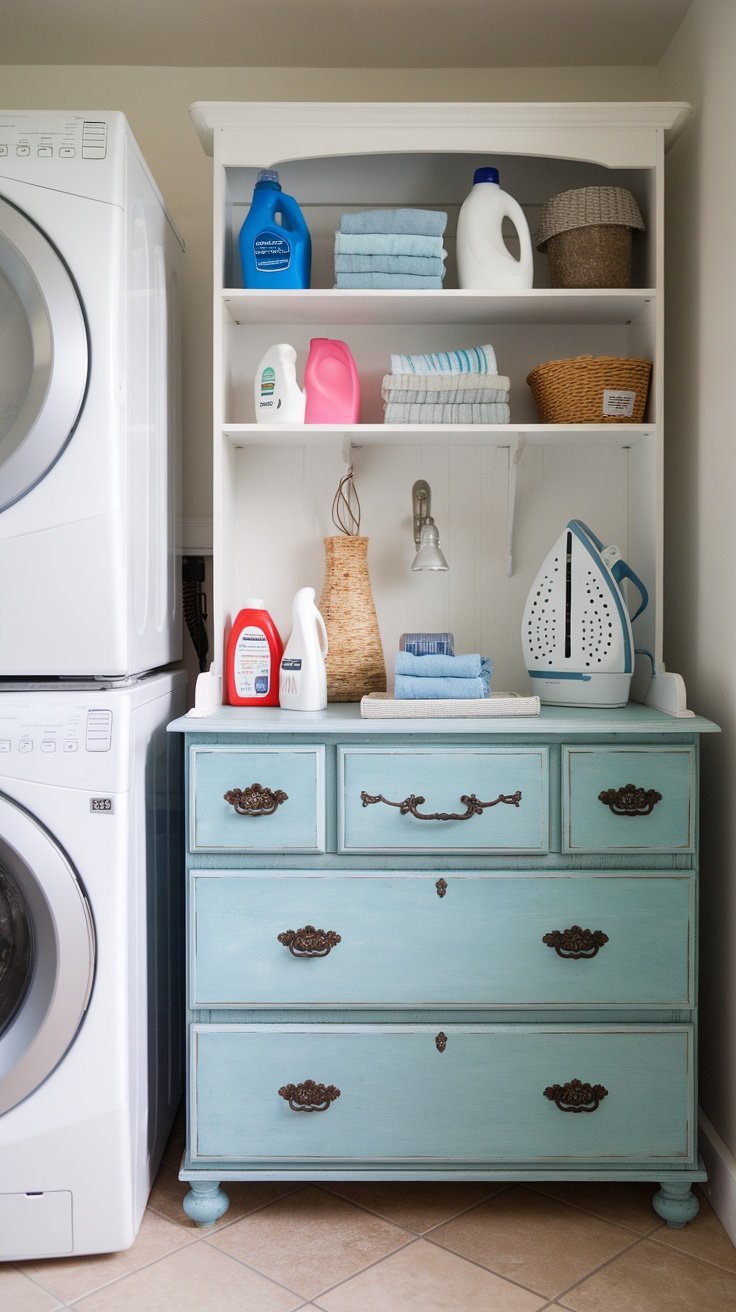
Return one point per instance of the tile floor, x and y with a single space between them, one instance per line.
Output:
396 1248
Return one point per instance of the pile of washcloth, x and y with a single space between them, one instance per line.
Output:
391 249
458 677
446 387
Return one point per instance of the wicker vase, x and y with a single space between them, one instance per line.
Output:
355 664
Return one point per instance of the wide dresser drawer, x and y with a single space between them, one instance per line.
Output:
467 938
443 799
628 799
456 1093
260 799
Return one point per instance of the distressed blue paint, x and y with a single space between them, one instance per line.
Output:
297 825
590 826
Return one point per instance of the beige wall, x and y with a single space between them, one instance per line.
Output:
700 482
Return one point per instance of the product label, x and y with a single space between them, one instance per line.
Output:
271 252
291 663
252 663
619 403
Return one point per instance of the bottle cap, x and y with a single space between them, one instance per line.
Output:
268 178
254 603
487 174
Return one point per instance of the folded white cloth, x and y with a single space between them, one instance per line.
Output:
445 388
446 414
465 360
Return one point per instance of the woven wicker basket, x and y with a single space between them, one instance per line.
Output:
590 389
586 234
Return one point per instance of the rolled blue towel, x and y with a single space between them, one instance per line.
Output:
389 281
387 243
424 264
464 666
426 223
465 360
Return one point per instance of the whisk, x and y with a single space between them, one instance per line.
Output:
346 506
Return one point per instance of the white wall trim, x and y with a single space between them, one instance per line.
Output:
196 535
721 1167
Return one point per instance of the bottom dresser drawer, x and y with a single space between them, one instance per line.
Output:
461 1093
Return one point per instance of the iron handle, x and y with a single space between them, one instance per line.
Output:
471 803
309 1096
309 942
255 800
576 1096
575 943
630 800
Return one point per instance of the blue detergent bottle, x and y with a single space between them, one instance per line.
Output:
274 254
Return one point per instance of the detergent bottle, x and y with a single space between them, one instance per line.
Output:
274 252
303 678
483 261
278 397
254 651
331 383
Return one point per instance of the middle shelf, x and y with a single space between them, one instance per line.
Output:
622 436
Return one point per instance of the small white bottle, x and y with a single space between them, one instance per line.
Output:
278 397
484 262
303 677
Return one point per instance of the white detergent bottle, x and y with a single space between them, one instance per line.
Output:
484 262
303 678
278 397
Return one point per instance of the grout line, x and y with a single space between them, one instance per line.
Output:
673 1248
416 1234
598 1216
601 1266
338 1283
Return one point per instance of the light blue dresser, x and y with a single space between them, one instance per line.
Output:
442 949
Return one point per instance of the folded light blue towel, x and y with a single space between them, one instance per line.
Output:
387 243
389 281
427 223
416 687
468 666
432 264
492 412
465 360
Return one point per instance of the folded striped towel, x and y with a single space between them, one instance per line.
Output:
465 360
432 264
387 243
390 281
443 389
426 223
459 413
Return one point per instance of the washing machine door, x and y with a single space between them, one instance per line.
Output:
47 953
44 354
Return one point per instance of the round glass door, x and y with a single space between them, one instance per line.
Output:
47 954
44 354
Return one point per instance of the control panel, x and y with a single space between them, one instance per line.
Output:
31 136
81 729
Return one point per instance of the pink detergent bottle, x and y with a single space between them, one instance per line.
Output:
331 383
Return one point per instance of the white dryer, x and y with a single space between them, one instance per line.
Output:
89 408
91 988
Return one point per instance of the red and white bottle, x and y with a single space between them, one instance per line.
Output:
254 652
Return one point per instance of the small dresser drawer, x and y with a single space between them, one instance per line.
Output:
413 939
633 799
450 1093
262 799
443 800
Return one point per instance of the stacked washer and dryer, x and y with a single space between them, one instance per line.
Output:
90 782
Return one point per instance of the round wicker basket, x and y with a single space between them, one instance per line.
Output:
574 391
355 664
586 233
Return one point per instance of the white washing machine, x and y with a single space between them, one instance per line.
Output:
91 987
89 408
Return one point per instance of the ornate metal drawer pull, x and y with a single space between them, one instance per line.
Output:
441 1041
471 804
574 943
576 1096
309 942
255 800
630 800
308 1096
441 887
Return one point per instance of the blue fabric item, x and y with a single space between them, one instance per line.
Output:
389 281
427 223
387 243
465 360
416 687
454 667
428 644
432 264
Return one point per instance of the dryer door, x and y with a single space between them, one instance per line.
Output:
44 354
47 953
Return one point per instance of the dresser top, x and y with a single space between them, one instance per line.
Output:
344 718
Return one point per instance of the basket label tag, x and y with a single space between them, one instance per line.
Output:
619 403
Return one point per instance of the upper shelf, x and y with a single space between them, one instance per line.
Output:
533 306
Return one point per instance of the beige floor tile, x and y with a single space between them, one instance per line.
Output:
704 1238
533 1240
72 1277
652 1277
624 1204
196 1279
423 1278
245 1196
418 1205
310 1240
19 1294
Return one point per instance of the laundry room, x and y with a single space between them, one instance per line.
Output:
365 474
